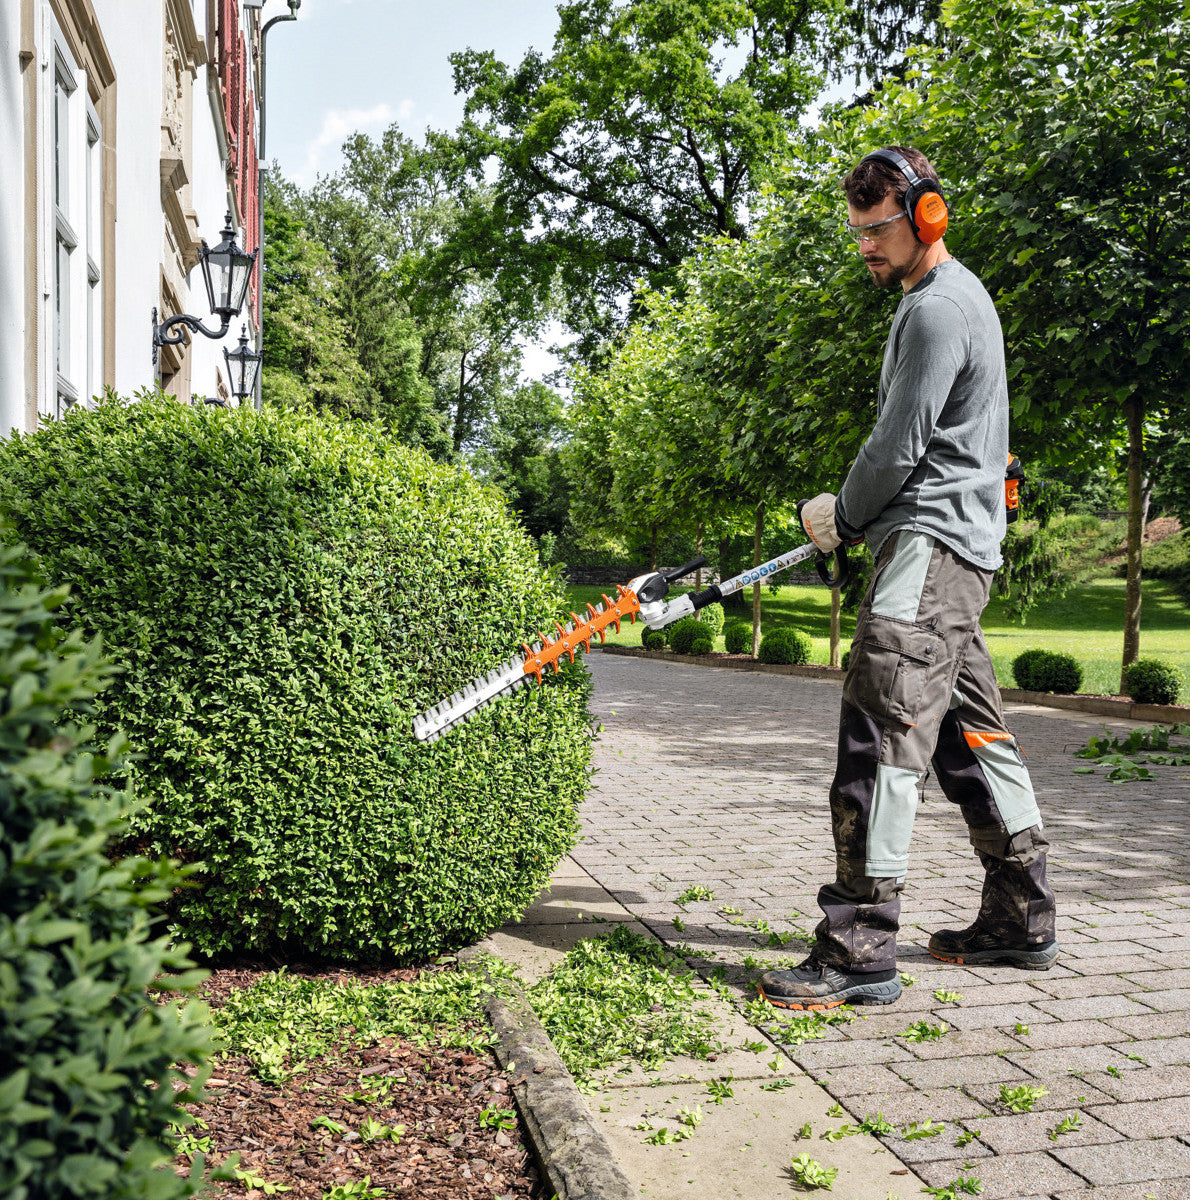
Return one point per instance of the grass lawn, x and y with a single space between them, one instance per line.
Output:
1087 623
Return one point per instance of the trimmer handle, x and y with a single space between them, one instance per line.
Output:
841 569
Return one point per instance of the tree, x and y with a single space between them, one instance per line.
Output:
652 125
329 342
1066 130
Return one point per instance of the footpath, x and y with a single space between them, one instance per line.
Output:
718 779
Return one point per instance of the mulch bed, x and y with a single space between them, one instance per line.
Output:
437 1093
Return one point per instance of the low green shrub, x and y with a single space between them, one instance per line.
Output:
283 592
1150 681
845 662
1047 671
1165 559
682 634
785 646
702 645
653 639
712 618
88 1064
737 637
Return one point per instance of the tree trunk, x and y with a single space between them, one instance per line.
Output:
756 561
460 405
698 554
1136 418
836 622
734 602
653 548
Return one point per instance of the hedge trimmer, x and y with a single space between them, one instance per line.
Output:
645 595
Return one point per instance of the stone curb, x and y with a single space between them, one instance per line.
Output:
574 1155
1101 706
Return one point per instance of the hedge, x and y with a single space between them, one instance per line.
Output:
1150 681
283 593
737 637
88 1063
785 646
1047 671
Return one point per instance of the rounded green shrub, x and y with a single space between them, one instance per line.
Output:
737 637
702 645
653 639
88 1063
712 618
1047 671
1150 681
785 646
845 662
283 593
683 633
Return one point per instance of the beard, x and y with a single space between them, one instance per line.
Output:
892 274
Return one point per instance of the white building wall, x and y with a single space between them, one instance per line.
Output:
133 32
12 223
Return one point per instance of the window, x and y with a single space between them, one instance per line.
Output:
74 234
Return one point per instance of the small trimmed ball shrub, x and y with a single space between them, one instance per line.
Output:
682 634
701 645
653 639
1047 671
737 637
785 646
283 592
1150 681
845 662
712 618
88 1063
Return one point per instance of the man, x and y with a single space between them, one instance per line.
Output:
927 492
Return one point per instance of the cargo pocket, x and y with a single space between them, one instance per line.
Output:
891 660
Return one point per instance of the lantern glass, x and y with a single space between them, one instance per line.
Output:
243 365
227 270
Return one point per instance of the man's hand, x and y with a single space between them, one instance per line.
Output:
817 518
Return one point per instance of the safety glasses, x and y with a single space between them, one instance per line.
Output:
876 232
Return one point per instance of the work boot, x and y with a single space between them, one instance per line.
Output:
975 946
814 985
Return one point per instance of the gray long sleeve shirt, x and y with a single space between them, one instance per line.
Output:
934 462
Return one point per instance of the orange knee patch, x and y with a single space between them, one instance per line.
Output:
975 740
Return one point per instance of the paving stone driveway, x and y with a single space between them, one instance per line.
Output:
719 778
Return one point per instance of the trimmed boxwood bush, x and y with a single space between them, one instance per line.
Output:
786 646
653 639
845 662
682 634
1150 681
88 1064
283 593
737 637
712 619
702 645
1047 671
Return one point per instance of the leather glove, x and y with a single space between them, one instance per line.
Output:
817 518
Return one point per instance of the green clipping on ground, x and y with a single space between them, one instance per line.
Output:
622 996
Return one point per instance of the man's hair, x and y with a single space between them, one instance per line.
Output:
873 179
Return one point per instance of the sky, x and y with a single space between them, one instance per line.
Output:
348 65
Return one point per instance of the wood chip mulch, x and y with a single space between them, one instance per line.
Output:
436 1093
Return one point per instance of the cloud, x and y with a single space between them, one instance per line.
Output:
338 124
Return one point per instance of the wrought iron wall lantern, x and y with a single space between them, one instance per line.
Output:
226 271
243 365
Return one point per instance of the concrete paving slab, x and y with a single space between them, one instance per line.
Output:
744 1146
738 804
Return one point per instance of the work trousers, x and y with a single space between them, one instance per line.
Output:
920 690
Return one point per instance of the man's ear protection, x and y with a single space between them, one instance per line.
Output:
925 202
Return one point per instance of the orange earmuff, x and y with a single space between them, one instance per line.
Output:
930 217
